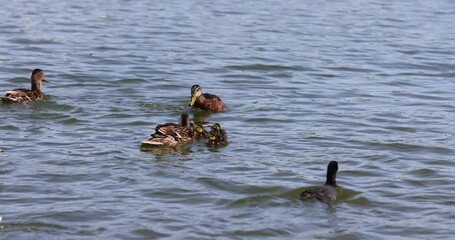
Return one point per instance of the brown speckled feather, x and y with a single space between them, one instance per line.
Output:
210 102
171 134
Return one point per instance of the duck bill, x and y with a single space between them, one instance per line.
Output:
192 101
45 80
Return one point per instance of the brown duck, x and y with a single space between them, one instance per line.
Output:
171 134
25 95
205 101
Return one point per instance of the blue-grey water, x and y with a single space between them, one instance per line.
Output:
368 83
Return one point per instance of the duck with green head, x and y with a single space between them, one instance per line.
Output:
25 95
205 101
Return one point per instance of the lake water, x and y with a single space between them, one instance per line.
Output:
369 84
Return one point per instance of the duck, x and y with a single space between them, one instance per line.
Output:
326 193
205 101
217 136
171 134
183 127
25 95
199 132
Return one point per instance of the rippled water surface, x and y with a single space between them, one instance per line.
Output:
369 84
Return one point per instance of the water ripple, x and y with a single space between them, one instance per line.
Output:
365 83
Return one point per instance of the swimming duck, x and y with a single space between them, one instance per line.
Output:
327 192
205 101
217 136
182 127
25 95
198 131
171 134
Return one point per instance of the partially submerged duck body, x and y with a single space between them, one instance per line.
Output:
323 194
25 95
326 193
171 134
205 101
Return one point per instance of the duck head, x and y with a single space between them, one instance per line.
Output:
216 127
196 91
332 169
38 77
185 120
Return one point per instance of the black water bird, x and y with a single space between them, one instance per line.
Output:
326 193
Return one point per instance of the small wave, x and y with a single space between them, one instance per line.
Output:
264 67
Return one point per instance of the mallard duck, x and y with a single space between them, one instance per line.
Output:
181 128
327 192
171 134
217 136
205 101
25 95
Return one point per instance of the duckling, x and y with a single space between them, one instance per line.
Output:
171 134
25 95
205 101
217 136
198 131
327 192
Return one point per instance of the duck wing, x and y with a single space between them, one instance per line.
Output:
211 96
166 129
160 141
171 129
210 103
18 95
19 92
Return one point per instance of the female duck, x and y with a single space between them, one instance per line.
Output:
25 95
205 101
171 134
327 192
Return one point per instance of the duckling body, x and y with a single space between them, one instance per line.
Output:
205 101
25 95
171 134
199 132
217 136
326 193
